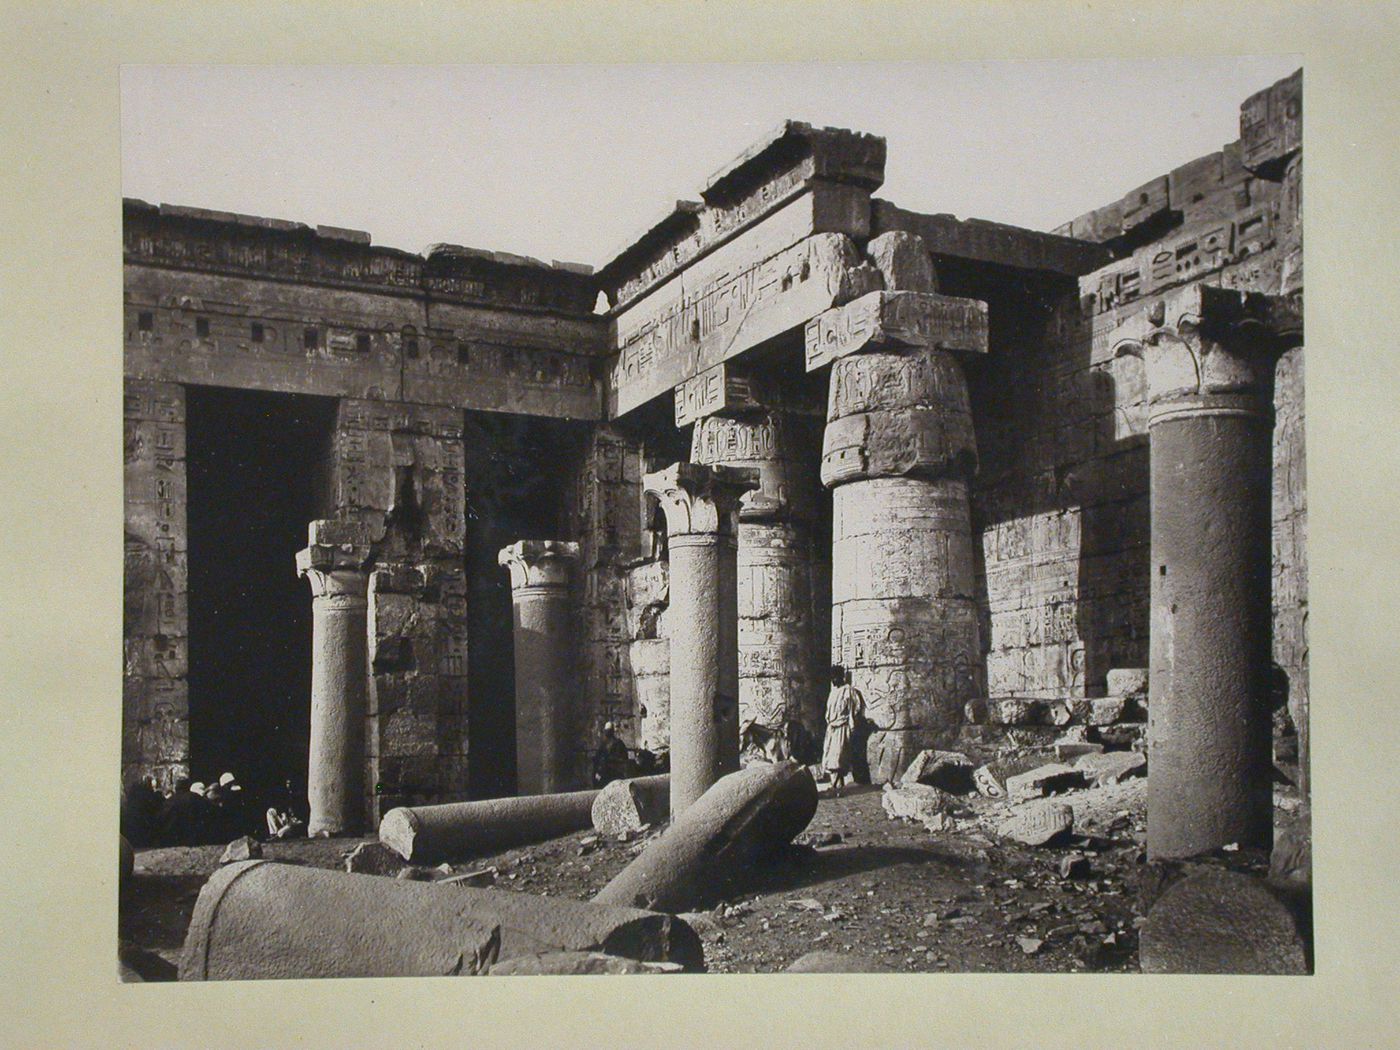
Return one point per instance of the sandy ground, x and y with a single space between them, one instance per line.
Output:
911 899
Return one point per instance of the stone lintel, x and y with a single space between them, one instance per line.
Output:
894 321
821 153
718 391
977 240
700 500
538 563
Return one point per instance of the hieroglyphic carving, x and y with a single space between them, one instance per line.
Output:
890 320
710 317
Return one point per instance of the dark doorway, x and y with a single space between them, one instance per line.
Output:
257 468
517 471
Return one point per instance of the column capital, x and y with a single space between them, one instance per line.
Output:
700 500
1211 350
538 563
336 558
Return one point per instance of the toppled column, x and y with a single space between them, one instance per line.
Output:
544 670
780 683
259 919
334 562
700 505
898 455
715 844
1208 355
629 805
431 834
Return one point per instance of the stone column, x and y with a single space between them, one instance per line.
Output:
779 680
544 667
700 505
334 562
1208 355
898 454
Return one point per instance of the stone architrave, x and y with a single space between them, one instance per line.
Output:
335 563
700 504
779 681
898 454
1209 355
544 668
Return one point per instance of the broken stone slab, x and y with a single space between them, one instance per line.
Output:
1042 781
926 805
531 924
991 779
256 920
1219 921
836 962
903 261
1127 681
576 964
373 858
325 911
629 805
714 844
243 848
1112 767
428 834
1067 750
1039 824
949 770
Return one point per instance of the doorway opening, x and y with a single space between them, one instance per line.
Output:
258 472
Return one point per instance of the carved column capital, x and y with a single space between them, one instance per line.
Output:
700 500
1211 351
538 563
335 560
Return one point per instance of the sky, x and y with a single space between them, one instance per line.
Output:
572 162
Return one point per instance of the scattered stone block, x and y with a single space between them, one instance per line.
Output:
244 848
1042 781
1218 921
991 779
1067 750
429 834
836 962
1039 825
576 964
715 843
1108 710
1075 866
817 839
373 858
949 770
626 806
918 802
1127 681
1111 767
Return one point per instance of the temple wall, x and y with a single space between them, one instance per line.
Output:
1061 495
155 644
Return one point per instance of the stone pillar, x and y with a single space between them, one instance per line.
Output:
780 682
700 505
898 454
334 562
544 668
1208 355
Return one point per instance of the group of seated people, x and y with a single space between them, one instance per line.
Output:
195 814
